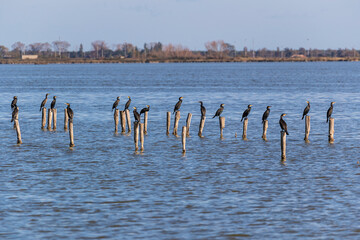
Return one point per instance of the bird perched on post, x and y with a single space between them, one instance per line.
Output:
127 105
13 103
202 109
70 112
283 124
15 113
246 112
266 114
136 115
145 109
219 111
306 110
43 102
329 111
53 102
178 105
116 103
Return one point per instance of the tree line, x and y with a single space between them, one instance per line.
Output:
217 50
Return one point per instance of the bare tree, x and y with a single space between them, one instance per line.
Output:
3 50
18 46
61 46
99 46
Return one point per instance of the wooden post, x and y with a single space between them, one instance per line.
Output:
265 127
307 128
188 122
201 126
18 133
54 111
283 145
331 130
145 121
71 133
127 113
123 121
142 131
168 120
43 122
183 139
66 119
49 122
245 125
116 119
176 122
136 135
222 125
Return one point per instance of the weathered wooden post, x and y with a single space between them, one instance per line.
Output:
49 122
265 127
307 128
168 121
17 127
201 126
66 119
176 123
188 122
127 113
123 121
43 119
145 121
222 125
71 133
331 130
142 132
54 111
245 125
183 139
136 135
116 119
283 145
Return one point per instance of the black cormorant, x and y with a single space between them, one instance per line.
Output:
13 103
246 112
306 110
53 102
202 109
266 114
127 105
329 111
43 102
145 109
116 103
70 112
219 111
15 113
283 124
178 105
136 115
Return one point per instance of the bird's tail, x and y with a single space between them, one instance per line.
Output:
302 117
287 132
40 110
12 120
214 116
241 119
327 120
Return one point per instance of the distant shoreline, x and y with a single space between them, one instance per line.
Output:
154 60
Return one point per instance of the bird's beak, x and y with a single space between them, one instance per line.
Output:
250 105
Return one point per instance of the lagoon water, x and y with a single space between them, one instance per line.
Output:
220 189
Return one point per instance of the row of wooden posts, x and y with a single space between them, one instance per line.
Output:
142 127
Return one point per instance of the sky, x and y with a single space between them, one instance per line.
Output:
256 24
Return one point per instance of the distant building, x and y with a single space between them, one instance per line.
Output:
298 56
29 57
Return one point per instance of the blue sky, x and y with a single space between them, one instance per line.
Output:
259 23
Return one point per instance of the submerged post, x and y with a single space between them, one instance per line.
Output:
49 122
176 122
265 127
188 122
168 120
66 119
283 145
123 121
222 125
145 121
127 113
183 139
331 130
17 127
136 135
245 125
307 128
116 119
201 126
71 133
142 136
43 119
54 110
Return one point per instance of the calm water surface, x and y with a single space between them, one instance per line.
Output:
221 189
